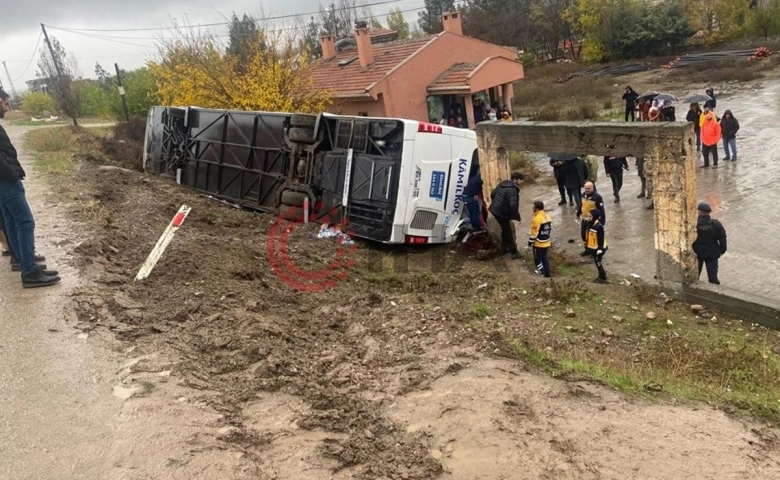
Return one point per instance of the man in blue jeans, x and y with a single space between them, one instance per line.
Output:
19 224
472 195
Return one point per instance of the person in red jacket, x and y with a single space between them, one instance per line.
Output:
710 136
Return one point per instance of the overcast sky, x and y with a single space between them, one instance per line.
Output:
21 27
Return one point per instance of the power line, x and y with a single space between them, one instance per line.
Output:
278 17
121 39
32 57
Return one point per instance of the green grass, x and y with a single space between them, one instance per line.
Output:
721 366
51 149
481 310
25 121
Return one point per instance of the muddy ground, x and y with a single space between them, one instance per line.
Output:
404 368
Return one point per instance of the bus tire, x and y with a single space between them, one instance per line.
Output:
301 135
294 214
293 198
303 120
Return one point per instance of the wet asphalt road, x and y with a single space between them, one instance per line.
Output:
46 375
743 194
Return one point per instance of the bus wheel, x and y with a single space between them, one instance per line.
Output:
303 120
301 135
294 214
293 198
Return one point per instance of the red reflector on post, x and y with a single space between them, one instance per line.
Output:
429 128
178 219
415 240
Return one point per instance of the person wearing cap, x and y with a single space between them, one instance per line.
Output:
596 244
505 206
539 239
710 243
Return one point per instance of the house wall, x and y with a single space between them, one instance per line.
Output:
405 89
372 108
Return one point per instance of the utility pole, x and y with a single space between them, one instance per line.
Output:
60 77
11 83
122 91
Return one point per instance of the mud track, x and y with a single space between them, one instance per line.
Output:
383 376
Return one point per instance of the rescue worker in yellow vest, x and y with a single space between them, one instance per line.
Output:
539 239
596 243
591 200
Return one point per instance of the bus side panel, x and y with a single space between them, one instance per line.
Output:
431 175
462 154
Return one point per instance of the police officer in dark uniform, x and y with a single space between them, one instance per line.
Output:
710 242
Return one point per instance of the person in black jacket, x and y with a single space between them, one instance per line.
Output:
505 206
630 97
560 178
596 244
576 174
667 112
729 126
614 167
19 222
694 117
710 104
710 243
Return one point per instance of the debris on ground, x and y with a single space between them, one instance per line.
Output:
327 231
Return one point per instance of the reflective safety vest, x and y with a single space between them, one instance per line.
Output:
541 228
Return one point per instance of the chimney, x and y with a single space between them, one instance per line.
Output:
363 40
451 23
328 46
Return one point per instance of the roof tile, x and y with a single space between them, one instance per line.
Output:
455 76
352 79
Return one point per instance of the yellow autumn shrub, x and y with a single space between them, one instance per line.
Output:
195 70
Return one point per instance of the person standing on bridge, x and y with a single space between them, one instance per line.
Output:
729 126
591 201
505 206
630 97
710 136
694 117
539 239
710 243
19 224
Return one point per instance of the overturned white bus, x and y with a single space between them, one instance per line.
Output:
395 180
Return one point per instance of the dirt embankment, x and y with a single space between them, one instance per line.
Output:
406 368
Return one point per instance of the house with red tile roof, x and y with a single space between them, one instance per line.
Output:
427 78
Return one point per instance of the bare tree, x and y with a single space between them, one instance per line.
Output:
60 83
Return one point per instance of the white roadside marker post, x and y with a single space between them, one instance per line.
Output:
162 243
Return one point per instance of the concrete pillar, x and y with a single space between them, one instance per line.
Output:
671 166
468 101
506 97
493 166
